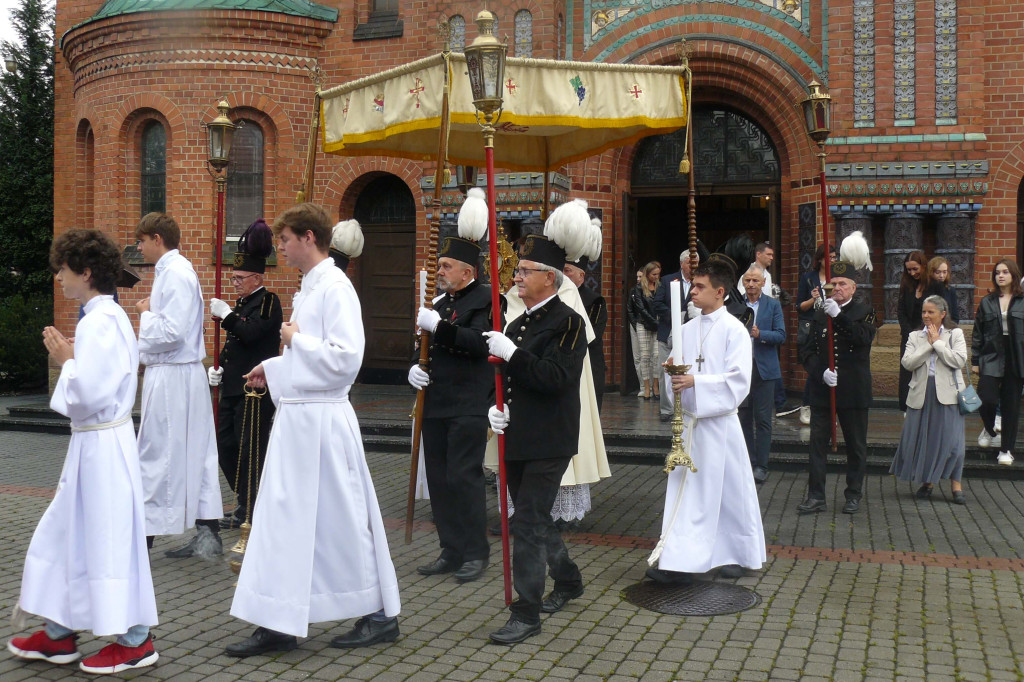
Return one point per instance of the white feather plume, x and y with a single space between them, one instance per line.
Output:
855 251
593 251
473 215
569 226
347 237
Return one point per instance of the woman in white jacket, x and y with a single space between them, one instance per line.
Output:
932 443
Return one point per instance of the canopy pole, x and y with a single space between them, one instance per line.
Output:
431 269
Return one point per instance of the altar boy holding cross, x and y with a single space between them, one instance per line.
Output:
714 520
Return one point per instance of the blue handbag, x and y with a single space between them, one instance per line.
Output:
967 399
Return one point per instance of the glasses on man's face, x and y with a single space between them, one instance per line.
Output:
238 279
523 272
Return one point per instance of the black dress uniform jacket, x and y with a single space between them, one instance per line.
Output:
253 335
462 381
542 383
854 331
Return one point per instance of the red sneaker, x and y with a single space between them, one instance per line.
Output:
39 647
115 657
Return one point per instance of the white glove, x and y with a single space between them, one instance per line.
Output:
692 311
830 377
418 377
427 320
214 375
219 308
830 307
499 420
499 345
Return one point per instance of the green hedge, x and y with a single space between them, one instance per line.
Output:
22 354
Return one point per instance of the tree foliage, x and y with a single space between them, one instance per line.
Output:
26 153
26 195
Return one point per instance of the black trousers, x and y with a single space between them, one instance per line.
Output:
756 417
854 423
533 486
1003 391
233 444
453 449
905 376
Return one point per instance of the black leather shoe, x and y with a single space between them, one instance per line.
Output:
852 506
233 520
924 492
184 551
440 566
811 505
366 632
261 642
760 474
471 570
731 571
664 577
514 631
557 599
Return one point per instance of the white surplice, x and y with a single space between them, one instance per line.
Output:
87 567
318 551
177 441
718 521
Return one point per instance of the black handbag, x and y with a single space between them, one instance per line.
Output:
967 399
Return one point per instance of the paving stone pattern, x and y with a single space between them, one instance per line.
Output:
901 591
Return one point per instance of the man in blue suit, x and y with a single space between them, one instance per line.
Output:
766 335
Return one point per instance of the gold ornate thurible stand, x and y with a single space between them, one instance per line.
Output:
676 456
250 417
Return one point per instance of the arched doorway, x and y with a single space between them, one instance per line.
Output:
737 177
386 210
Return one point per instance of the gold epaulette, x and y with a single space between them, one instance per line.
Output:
575 335
268 305
870 318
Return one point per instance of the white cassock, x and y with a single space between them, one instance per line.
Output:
87 566
590 465
177 442
318 551
718 521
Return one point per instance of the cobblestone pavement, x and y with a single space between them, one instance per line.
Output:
904 590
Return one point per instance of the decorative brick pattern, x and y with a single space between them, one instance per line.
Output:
864 63
945 62
905 64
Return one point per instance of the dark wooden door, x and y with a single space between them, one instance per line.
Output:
387 212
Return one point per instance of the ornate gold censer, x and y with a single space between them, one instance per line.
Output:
676 455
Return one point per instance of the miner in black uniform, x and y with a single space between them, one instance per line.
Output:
853 324
253 334
597 311
544 351
459 387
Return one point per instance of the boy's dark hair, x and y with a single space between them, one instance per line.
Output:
719 273
307 217
81 249
161 224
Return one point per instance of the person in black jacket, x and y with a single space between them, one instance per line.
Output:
253 334
854 330
543 353
643 328
461 387
997 355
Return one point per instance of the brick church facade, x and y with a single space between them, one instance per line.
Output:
927 147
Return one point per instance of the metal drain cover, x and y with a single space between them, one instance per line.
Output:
699 599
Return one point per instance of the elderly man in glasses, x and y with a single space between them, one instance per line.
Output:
253 334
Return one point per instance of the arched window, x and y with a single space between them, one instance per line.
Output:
244 200
153 157
457 33
85 185
524 33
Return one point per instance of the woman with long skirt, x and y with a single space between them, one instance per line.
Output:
932 442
